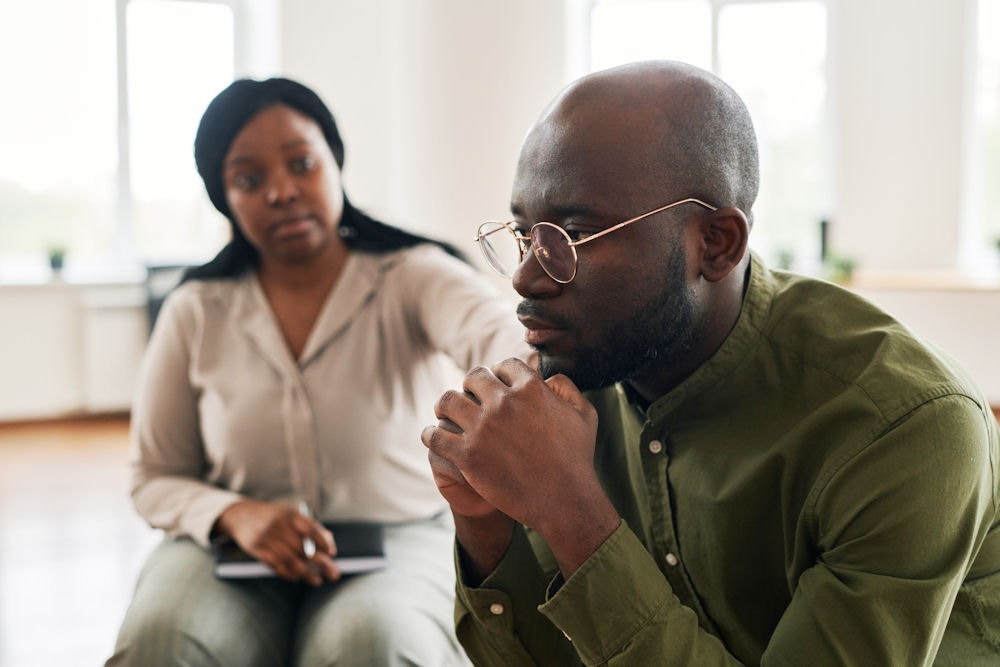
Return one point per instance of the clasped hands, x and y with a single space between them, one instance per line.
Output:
516 444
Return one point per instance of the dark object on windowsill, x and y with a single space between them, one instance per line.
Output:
56 258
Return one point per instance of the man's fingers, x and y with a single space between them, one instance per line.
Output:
567 391
454 405
443 469
511 371
441 439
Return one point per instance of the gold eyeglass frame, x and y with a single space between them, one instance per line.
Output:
524 241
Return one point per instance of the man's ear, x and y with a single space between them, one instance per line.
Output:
724 233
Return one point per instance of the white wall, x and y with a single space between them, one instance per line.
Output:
433 98
898 108
69 349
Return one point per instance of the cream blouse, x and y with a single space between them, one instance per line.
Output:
224 411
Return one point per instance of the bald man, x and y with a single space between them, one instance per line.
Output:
764 469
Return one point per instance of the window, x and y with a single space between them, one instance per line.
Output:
986 144
58 129
96 162
172 219
628 31
774 54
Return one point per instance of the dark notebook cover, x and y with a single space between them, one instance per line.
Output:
360 548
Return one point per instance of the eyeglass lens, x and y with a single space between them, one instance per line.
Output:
553 251
500 247
550 245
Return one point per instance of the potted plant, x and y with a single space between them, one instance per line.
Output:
57 254
840 269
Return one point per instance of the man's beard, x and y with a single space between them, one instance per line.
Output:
659 331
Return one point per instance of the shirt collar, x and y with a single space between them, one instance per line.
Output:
745 334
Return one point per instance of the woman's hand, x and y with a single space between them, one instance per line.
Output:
275 534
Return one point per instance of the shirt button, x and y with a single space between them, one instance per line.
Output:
496 608
655 446
671 560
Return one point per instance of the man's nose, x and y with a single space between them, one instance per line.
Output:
531 281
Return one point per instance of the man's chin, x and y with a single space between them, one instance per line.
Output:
583 378
549 365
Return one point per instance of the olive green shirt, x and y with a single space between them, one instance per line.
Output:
823 491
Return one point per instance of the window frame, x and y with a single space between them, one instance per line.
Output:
127 251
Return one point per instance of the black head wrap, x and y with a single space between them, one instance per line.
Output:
223 119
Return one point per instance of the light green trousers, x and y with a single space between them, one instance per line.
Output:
183 616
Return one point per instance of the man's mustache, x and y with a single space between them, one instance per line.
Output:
533 309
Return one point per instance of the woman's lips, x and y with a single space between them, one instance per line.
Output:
292 226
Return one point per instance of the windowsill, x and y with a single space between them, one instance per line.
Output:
71 276
931 280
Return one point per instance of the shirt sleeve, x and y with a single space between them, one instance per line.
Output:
498 623
168 461
461 312
898 524
617 609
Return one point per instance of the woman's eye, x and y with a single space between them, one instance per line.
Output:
302 165
246 182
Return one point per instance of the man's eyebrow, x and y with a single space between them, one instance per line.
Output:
559 212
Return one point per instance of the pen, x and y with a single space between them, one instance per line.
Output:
308 546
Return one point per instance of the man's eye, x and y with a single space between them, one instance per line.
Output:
578 234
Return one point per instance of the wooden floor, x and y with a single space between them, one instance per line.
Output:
70 542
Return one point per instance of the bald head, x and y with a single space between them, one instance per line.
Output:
686 133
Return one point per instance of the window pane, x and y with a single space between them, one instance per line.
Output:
169 88
988 125
57 131
624 31
774 55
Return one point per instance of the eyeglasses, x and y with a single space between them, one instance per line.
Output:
552 245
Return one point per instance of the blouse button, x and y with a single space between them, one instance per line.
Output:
496 608
655 446
671 560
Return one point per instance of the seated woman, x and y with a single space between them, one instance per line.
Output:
297 368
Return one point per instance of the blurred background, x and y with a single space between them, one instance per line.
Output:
879 125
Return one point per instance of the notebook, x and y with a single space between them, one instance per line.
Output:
360 548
